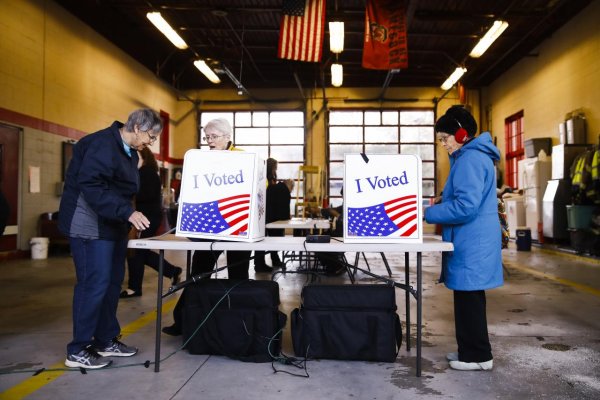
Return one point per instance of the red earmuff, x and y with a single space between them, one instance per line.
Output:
461 135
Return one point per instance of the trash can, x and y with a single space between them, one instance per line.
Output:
39 248
523 239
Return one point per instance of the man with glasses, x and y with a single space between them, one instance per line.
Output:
217 133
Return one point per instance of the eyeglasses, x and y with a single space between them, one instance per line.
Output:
211 137
443 138
152 138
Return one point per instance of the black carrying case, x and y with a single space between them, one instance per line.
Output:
241 319
347 322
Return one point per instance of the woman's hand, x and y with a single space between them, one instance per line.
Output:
139 221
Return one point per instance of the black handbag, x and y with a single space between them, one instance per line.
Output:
238 319
347 322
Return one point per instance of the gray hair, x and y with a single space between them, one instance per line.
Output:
146 120
219 125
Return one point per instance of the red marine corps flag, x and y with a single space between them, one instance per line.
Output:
302 30
385 44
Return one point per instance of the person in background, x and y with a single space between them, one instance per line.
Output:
148 200
468 214
4 212
277 208
96 212
218 134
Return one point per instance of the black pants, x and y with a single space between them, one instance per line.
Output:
471 326
259 256
204 261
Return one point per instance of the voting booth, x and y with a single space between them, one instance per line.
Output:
382 198
223 196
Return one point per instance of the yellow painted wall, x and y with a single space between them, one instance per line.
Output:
57 69
563 76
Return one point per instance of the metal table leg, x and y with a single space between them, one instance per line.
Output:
161 260
419 311
407 299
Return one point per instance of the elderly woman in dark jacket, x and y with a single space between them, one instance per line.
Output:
96 213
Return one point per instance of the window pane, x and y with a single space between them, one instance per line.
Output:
260 119
337 151
389 118
263 151
334 189
349 134
372 118
345 118
417 134
428 170
386 134
288 153
288 171
336 170
243 119
287 118
424 117
287 135
207 116
425 151
251 136
428 188
381 148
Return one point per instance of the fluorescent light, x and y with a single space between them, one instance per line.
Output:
452 79
163 26
205 69
489 38
336 37
337 75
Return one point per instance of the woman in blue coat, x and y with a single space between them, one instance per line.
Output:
468 214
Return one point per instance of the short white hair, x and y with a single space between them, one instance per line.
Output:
220 125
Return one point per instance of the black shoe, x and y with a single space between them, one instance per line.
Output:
262 268
129 293
176 276
276 261
172 330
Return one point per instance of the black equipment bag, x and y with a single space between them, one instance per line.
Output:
240 319
347 322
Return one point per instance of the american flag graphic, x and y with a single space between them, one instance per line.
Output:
397 218
302 29
228 216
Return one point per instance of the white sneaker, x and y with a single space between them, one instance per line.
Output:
472 366
452 356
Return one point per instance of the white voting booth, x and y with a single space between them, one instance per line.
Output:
223 196
382 198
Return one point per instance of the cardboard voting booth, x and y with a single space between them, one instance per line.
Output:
223 196
382 198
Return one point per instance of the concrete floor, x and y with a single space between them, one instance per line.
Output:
544 326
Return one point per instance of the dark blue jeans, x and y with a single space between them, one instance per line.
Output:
100 269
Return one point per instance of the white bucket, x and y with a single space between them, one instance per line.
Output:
39 248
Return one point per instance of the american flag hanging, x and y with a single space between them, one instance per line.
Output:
302 29
396 218
228 216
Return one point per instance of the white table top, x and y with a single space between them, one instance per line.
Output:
300 223
430 243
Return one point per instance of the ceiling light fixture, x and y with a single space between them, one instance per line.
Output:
336 37
205 69
452 79
163 26
337 74
486 41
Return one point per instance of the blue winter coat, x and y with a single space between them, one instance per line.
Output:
100 184
469 217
